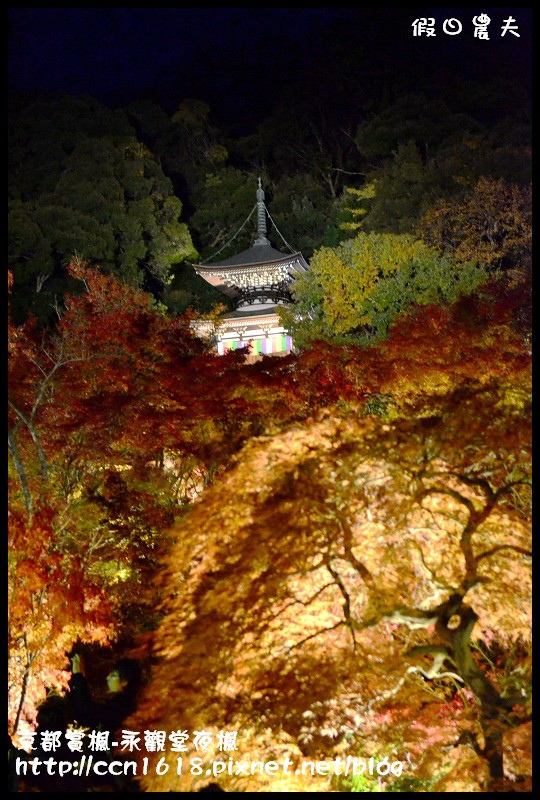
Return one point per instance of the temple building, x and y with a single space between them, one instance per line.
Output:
258 279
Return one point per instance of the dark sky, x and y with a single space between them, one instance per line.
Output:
118 55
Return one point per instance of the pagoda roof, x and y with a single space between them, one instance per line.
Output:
256 255
229 275
259 269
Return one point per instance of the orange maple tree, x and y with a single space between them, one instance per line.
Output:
359 583
491 224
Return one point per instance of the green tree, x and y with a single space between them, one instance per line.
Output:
300 210
223 203
198 137
420 152
403 189
413 118
187 143
355 291
80 182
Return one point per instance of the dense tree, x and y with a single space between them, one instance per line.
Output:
403 188
407 184
189 149
223 205
187 143
412 118
300 211
198 137
420 152
359 287
364 581
81 182
303 137
58 593
353 575
491 224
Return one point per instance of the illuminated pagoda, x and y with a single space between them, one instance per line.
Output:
258 279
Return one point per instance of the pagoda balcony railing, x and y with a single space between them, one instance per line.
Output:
259 294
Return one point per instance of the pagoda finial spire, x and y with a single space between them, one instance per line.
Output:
261 217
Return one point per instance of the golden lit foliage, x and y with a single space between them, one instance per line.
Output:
350 571
355 291
53 599
492 224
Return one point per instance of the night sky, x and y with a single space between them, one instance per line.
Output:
230 55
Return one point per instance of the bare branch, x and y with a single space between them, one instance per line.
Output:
499 547
317 633
450 492
347 601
